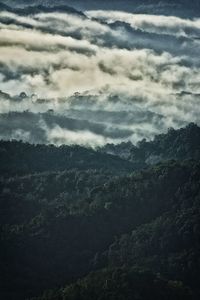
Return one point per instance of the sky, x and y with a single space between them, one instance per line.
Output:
100 75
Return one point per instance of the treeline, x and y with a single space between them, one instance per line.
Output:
175 144
18 158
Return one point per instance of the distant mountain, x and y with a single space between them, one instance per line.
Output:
165 7
38 8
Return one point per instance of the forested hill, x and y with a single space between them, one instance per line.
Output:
175 144
148 221
76 224
22 158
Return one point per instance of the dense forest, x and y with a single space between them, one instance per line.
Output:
176 144
119 222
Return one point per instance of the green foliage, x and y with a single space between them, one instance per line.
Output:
121 284
66 212
176 144
18 158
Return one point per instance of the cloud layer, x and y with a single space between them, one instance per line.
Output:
97 77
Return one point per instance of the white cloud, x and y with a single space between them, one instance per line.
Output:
121 77
60 136
151 23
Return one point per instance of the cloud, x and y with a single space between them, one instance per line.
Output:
114 78
151 23
60 136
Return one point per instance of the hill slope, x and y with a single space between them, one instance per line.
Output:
68 211
178 144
